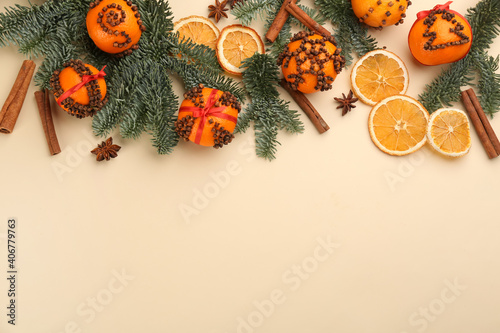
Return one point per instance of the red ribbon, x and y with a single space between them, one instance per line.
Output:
85 79
426 13
208 110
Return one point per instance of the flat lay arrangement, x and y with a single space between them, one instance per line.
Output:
250 166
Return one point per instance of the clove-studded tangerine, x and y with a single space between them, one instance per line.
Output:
311 62
86 100
115 26
440 36
380 13
208 117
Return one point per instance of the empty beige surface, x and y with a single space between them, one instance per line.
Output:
332 236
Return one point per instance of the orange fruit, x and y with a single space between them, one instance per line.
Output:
115 26
235 44
380 13
88 99
377 75
207 117
448 132
311 62
398 125
439 36
199 29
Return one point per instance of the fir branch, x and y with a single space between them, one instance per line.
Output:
484 19
160 105
445 89
489 84
249 10
352 36
266 138
267 110
199 54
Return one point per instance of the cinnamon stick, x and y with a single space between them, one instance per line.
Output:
43 101
307 107
305 19
14 102
478 125
484 119
278 22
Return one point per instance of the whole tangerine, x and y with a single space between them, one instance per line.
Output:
440 36
311 62
207 117
115 26
86 100
380 13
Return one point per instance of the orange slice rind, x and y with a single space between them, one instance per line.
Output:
398 125
378 75
235 44
199 29
448 132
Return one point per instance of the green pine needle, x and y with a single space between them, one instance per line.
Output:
249 10
267 110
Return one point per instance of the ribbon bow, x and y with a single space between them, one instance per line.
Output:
85 79
208 110
422 14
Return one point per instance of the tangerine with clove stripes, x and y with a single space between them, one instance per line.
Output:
207 117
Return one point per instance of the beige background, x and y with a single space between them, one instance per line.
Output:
413 240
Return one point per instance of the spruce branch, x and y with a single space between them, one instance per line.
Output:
266 109
445 89
250 10
489 84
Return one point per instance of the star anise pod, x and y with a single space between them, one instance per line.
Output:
106 150
218 11
347 103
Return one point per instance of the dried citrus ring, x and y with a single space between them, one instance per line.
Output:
235 44
85 101
398 125
311 62
380 13
378 75
207 117
199 29
115 26
448 132
440 36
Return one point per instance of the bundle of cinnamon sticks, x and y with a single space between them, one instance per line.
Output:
14 103
480 122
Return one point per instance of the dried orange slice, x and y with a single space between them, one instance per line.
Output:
235 44
448 132
199 29
378 75
398 125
